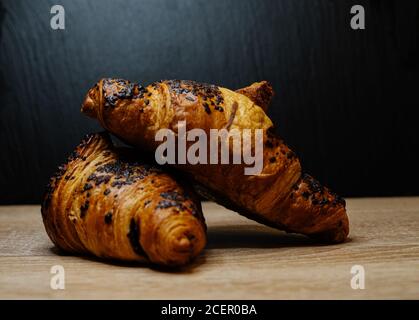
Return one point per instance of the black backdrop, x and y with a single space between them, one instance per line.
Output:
345 99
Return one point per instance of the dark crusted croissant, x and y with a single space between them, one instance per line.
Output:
280 196
104 202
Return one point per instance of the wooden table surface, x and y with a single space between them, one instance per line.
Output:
243 260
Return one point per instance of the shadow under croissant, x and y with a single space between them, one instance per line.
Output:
135 264
243 236
220 237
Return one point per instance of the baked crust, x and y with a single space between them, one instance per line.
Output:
280 196
107 202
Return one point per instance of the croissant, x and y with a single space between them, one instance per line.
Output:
280 196
105 202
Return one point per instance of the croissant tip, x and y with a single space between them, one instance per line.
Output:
335 235
90 104
180 245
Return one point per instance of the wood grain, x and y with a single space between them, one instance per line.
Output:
243 260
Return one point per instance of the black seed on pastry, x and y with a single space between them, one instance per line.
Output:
305 194
108 218
134 237
206 107
269 144
84 208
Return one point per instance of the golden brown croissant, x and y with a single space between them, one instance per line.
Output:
104 202
280 196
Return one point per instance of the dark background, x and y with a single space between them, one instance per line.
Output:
346 100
